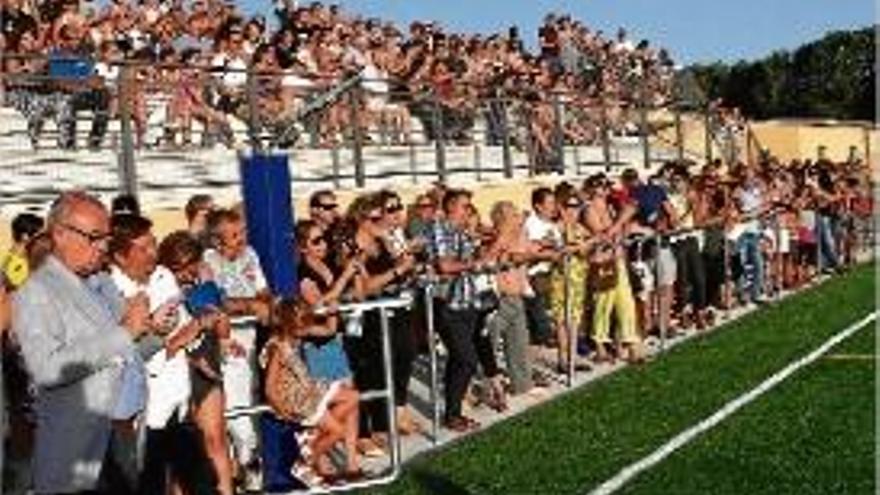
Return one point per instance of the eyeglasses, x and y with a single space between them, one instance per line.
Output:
393 208
94 238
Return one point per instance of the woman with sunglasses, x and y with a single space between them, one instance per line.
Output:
320 285
382 273
576 239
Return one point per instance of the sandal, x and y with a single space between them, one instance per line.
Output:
369 449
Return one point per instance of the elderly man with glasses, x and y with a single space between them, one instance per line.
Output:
76 334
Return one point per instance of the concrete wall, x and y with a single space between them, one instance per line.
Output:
790 140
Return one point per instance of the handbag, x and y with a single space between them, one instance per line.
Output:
603 269
295 394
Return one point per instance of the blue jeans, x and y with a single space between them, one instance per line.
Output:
825 238
748 247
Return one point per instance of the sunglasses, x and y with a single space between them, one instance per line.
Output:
328 206
393 208
572 205
317 241
375 218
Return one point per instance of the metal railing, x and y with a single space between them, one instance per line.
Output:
495 135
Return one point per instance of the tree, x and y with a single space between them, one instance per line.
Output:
829 78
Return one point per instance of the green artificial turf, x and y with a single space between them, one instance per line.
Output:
813 434
574 443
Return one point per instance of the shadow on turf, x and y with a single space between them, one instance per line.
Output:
437 484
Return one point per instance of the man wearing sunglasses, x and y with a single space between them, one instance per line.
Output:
324 208
76 335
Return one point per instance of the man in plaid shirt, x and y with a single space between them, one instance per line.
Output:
455 254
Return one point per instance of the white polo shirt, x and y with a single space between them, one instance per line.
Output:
168 380
541 230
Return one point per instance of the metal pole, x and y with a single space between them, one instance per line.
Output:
506 156
559 133
572 335
432 349
478 155
707 123
577 158
334 156
126 166
394 439
725 275
818 230
411 152
253 111
439 141
749 145
778 263
606 137
644 134
679 134
661 299
357 151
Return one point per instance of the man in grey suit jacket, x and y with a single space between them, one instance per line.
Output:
5 323
76 334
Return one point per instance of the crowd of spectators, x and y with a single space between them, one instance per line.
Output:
120 353
190 60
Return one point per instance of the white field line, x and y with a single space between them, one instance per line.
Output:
633 470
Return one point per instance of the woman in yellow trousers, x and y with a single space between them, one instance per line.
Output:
620 301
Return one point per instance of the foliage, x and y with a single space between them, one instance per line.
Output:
829 78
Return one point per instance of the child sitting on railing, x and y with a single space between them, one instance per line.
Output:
331 409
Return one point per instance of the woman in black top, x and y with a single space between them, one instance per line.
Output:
382 271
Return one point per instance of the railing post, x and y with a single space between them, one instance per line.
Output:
570 331
439 139
606 137
253 122
645 132
559 133
432 349
679 134
126 166
411 153
357 150
749 145
334 157
506 156
707 123
478 155
662 303
394 436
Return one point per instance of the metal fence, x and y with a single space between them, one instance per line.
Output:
345 132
